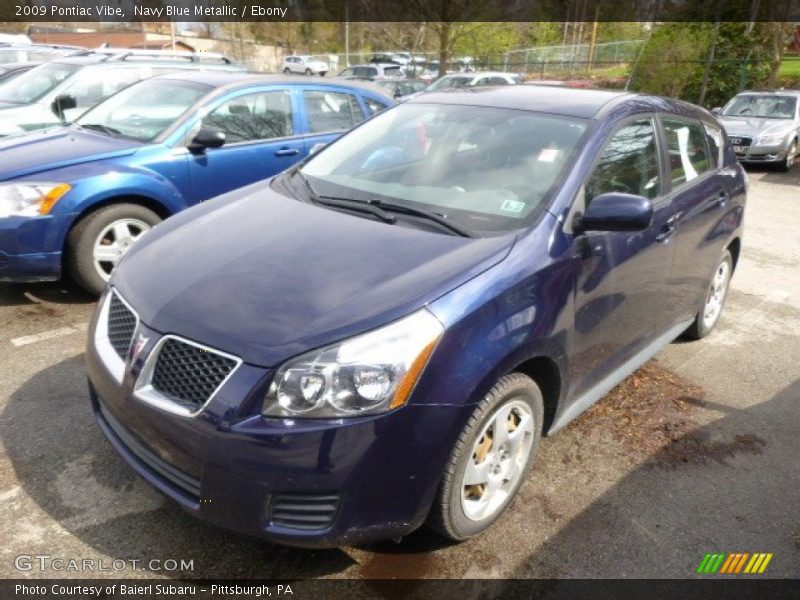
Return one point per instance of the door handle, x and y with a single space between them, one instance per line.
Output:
667 230
287 152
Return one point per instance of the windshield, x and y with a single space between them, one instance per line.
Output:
767 107
36 83
144 110
489 170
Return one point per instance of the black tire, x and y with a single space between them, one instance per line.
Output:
447 516
80 241
700 329
789 162
286 70
308 71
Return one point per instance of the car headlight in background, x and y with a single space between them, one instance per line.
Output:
367 374
30 199
771 139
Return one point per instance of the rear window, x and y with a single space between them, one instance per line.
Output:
37 83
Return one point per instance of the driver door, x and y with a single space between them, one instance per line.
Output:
622 293
262 138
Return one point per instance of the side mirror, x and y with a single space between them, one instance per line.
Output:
207 137
316 148
63 103
717 110
615 212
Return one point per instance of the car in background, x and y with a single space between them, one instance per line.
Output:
400 88
305 65
379 337
76 198
18 53
458 80
10 70
373 72
764 127
59 91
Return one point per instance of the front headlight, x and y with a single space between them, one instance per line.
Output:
370 373
771 139
30 199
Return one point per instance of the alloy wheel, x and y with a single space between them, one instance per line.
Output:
716 294
114 242
498 458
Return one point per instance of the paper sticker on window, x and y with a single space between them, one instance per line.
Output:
512 206
548 155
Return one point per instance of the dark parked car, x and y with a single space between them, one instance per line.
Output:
75 198
10 70
764 127
379 337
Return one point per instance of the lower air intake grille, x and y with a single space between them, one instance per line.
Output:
189 374
304 511
122 323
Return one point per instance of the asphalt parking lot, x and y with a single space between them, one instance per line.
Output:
696 453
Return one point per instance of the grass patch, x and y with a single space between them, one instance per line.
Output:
790 67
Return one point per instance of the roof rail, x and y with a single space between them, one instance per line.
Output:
120 54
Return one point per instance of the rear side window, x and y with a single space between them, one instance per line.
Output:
687 145
373 106
254 117
716 143
628 163
331 111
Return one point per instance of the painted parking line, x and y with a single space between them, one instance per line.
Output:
49 335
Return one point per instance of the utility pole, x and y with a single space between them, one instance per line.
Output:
346 34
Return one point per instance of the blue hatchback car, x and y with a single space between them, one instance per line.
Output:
79 196
378 337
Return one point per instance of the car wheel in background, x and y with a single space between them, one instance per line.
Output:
709 314
308 71
788 162
286 70
490 459
100 240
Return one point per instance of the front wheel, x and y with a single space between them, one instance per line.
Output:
717 293
490 459
286 70
788 162
100 240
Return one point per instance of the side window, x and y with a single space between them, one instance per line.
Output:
688 150
92 86
373 106
347 73
716 142
254 117
628 163
331 111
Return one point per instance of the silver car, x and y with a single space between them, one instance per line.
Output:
764 127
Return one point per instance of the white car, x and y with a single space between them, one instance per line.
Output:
307 65
457 80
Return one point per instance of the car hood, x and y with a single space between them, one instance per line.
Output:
266 277
40 151
754 126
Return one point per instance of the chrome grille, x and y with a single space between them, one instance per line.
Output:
122 323
304 511
189 374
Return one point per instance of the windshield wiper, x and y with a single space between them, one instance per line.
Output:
382 209
437 218
100 127
346 203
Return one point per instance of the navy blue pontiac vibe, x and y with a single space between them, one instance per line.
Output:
378 337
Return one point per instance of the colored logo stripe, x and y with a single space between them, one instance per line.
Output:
734 563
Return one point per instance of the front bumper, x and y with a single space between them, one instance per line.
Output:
357 480
31 247
762 154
